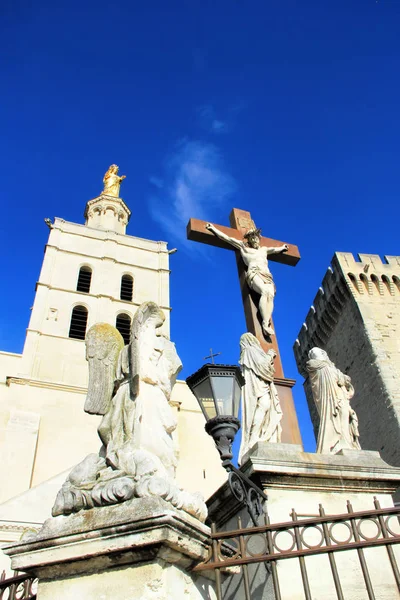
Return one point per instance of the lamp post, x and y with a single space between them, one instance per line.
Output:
217 389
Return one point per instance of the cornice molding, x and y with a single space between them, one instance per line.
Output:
89 295
111 258
63 387
103 199
52 385
111 236
18 528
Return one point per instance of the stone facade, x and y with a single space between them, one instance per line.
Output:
355 317
43 428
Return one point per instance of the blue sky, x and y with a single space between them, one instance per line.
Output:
287 109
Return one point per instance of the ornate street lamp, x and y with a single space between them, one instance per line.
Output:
217 389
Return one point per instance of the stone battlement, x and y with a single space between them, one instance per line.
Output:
388 262
368 279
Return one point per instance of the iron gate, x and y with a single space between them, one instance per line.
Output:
233 548
19 587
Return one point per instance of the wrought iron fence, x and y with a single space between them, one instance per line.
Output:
19 587
308 537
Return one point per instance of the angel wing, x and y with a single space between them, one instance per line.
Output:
146 312
103 346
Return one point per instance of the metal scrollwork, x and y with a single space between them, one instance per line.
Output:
237 487
246 492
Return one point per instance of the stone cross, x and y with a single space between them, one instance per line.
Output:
241 222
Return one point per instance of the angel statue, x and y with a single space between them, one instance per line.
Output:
332 392
130 386
261 409
112 181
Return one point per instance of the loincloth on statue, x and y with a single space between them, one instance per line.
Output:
266 278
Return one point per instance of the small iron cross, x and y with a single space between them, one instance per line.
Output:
212 356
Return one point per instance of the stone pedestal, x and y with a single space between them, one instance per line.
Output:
302 481
141 549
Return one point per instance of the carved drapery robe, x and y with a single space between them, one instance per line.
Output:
261 409
112 182
332 392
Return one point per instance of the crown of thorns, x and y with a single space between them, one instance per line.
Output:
252 232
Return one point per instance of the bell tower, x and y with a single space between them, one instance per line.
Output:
91 273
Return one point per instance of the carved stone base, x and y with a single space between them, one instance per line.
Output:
92 483
293 479
143 548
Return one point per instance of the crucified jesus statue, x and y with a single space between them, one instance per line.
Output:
258 275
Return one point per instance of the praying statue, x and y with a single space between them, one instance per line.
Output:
261 409
130 386
332 392
112 181
258 275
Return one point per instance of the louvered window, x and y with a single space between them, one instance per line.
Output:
123 324
84 279
77 329
126 288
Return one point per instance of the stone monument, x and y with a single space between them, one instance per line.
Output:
253 254
122 507
261 409
332 392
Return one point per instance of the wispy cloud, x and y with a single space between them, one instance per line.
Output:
157 182
209 120
196 184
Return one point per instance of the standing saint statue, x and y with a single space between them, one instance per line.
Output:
261 409
130 386
332 392
258 275
112 181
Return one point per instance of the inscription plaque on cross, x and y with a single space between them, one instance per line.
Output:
241 222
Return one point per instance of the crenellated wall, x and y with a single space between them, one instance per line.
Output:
355 317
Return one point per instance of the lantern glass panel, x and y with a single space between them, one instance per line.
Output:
237 390
203 393
223 394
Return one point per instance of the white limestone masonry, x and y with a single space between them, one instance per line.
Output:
48 381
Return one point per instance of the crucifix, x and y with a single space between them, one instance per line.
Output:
257 297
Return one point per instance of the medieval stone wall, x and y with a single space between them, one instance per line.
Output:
356 319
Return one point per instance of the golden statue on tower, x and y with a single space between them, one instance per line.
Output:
112 181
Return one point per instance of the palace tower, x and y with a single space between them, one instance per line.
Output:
355 317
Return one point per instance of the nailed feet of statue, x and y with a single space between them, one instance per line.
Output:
268 331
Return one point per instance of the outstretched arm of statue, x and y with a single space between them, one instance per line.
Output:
278 249
222 236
